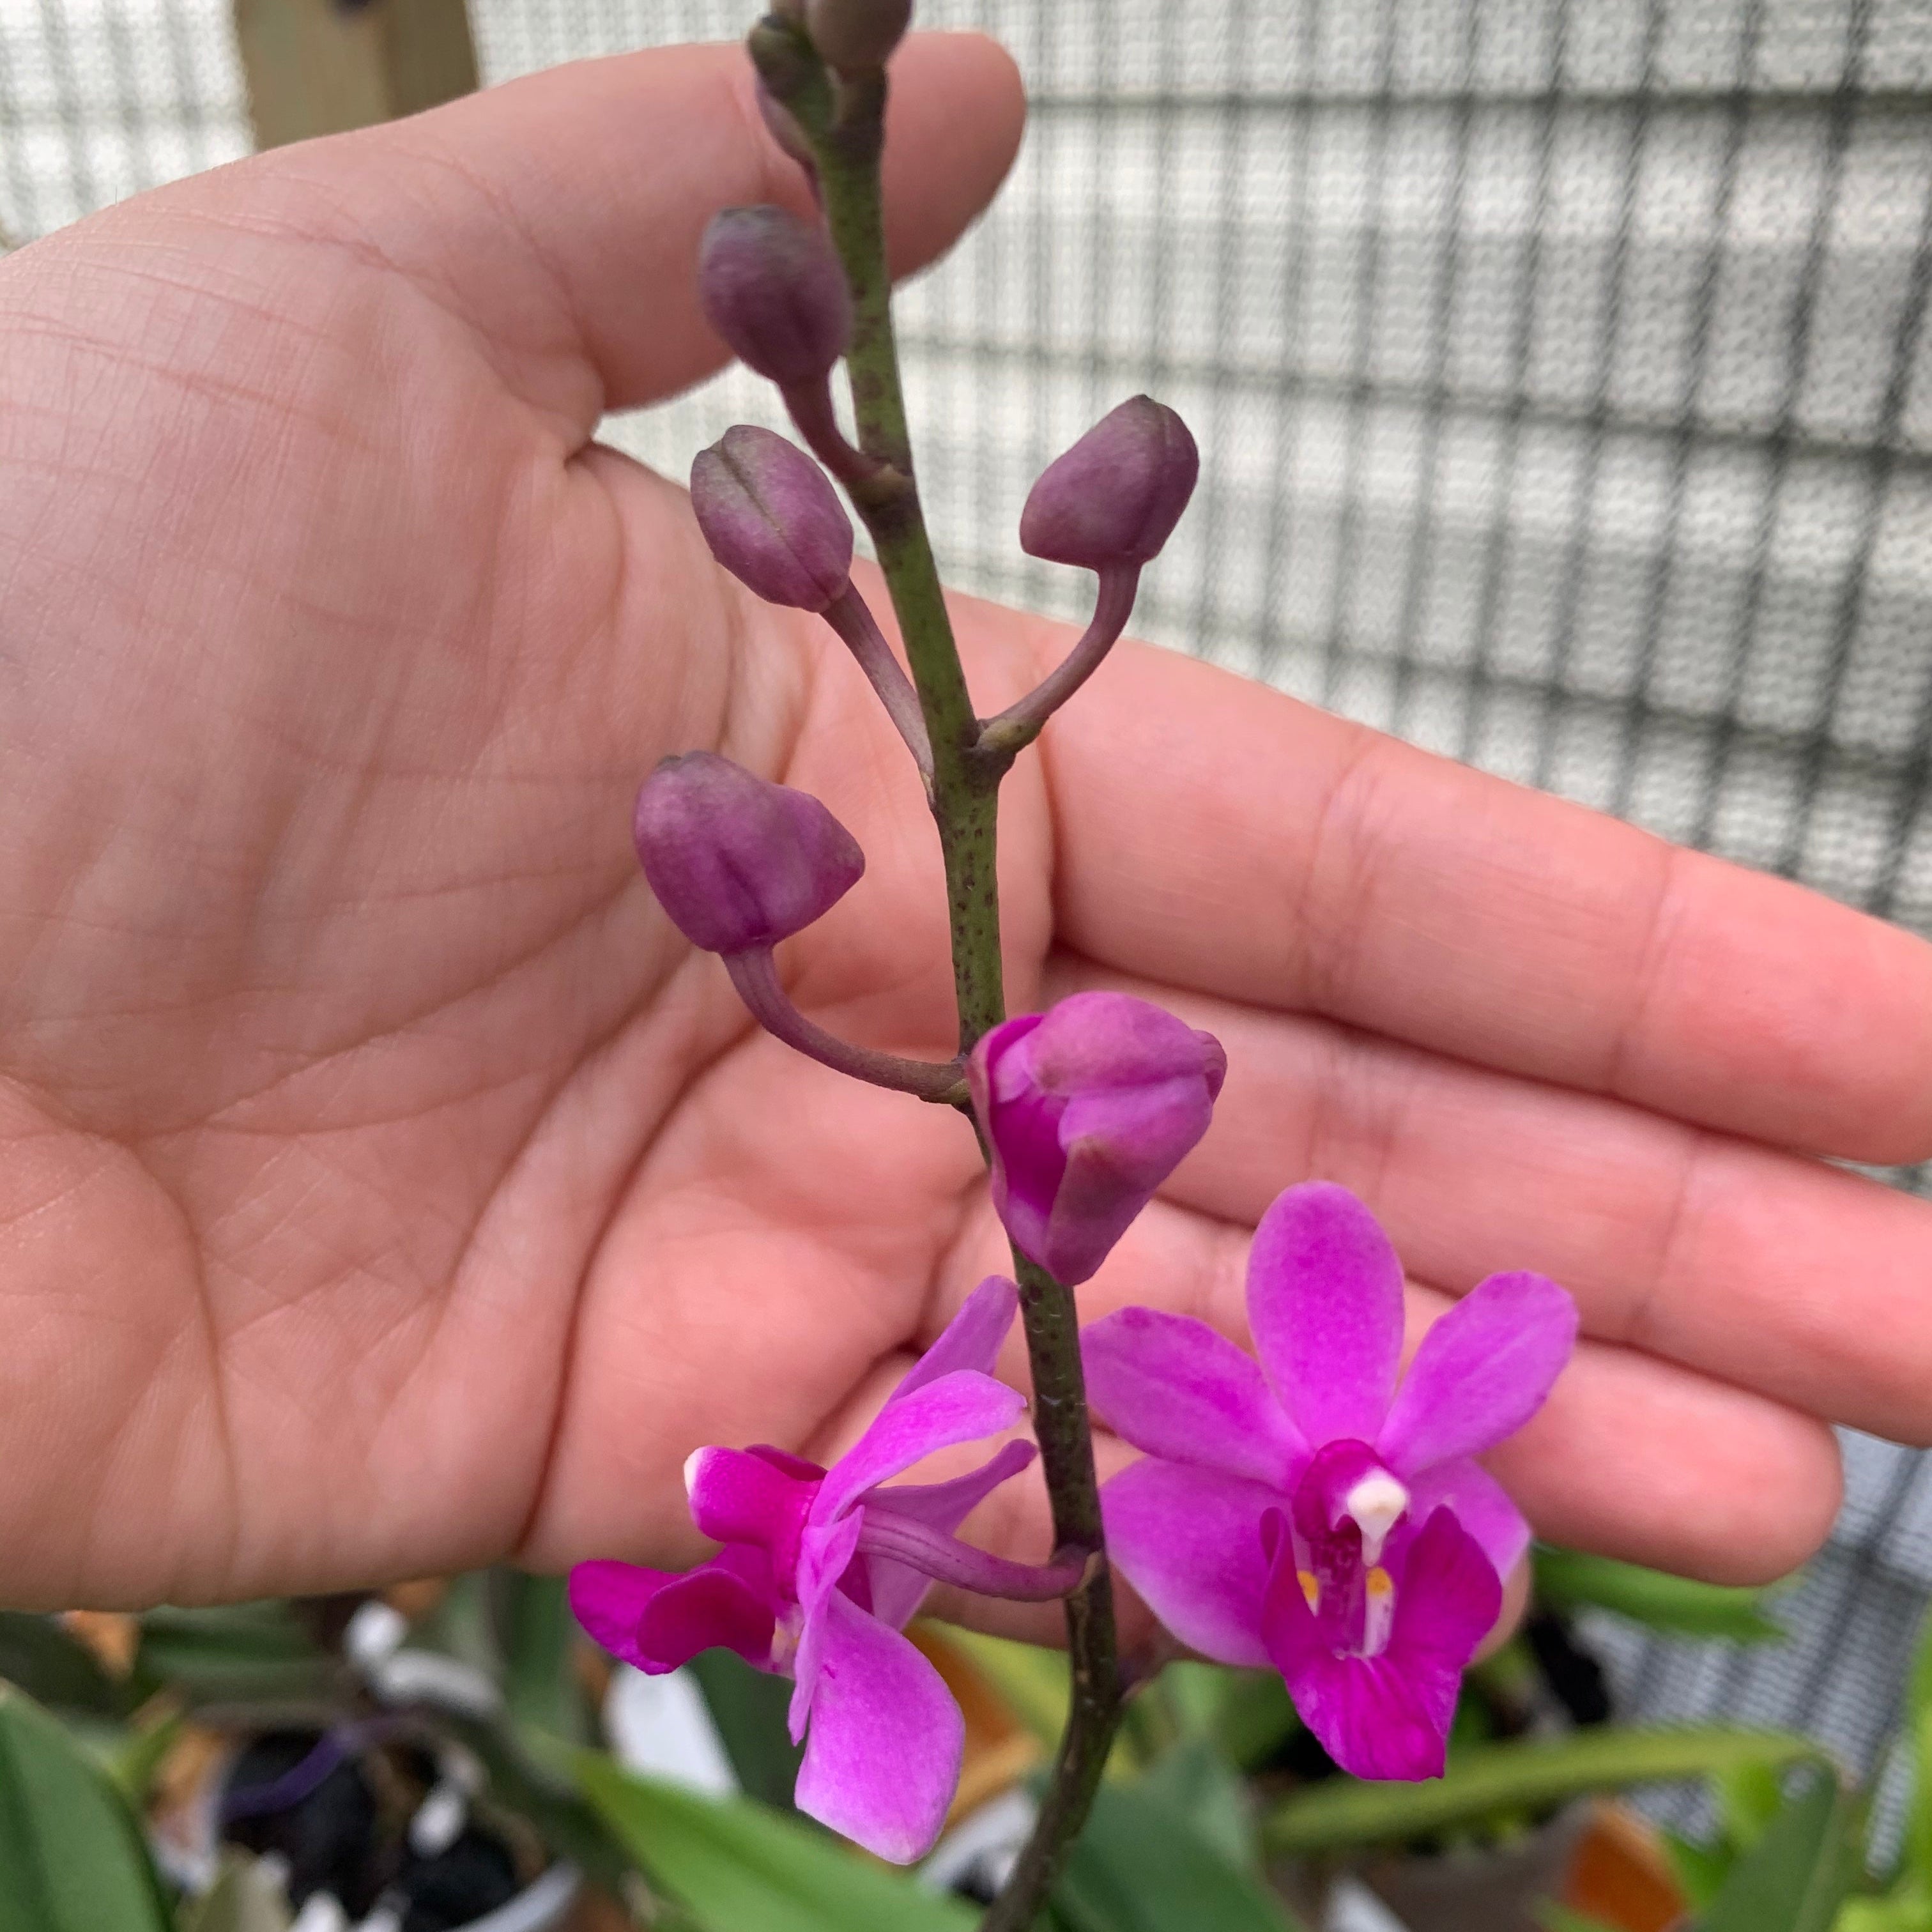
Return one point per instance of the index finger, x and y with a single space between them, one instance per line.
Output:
1222 836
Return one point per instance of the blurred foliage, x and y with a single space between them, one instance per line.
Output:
1570 1579
1213 1775
70 1850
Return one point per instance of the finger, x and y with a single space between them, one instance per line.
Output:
560 214
1218 836
1797 1280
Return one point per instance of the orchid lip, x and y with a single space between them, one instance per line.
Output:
946 1560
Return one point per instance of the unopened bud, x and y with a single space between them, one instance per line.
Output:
853 35
1115 497
771 285
772 518
736 861
1086 1109
782 125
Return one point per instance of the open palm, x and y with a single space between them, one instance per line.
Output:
386 1187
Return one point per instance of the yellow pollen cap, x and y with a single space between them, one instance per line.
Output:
1380 1582
1310 1588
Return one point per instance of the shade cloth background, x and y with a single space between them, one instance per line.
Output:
1563 380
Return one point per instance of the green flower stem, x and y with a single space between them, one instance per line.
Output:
844 119
1094 1710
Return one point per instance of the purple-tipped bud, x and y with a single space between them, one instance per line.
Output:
772 518
1115 497
853 35
736 861
771 285
1086 1110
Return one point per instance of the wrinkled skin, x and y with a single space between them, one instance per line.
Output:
385 1187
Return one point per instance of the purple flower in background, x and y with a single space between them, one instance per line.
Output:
1086 1109
1306 1512
820 1572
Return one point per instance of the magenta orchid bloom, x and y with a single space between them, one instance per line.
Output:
820 1572
1304 1511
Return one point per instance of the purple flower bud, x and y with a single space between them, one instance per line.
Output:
738 861
1115 497
771 285
771 518
1086 1110
855 35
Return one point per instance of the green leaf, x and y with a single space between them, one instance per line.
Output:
1032 1681
1799 1872
240 1650
749 1707
1248 1713
1701 1870
1918 1849
71 1853
132 1764
1538 1774
739 1866
1142 1865
1567 1580
1904 1912
538 1634
1749 1797
1555 1918
244 1898
1199 1786
54 1667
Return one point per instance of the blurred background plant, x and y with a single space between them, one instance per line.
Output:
454 1754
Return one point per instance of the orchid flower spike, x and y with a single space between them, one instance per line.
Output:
1086 1109
1305 1511
820 1572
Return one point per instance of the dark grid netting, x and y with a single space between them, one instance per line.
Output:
1565 389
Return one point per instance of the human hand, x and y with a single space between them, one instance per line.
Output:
386 1187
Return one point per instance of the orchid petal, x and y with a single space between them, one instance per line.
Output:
715 1606
824 1554
1174 1387
883 1760
1388 1716
608 1600
1481 1372
1189 1540
1324 1305
960 1407
1480 1505
970 1340
897 1589
738 1495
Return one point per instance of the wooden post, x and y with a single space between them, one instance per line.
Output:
317 67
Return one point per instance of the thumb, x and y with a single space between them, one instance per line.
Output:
560 215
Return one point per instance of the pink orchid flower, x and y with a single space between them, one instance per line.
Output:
1305 1512
821 1570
